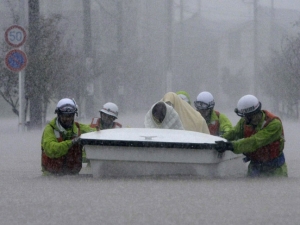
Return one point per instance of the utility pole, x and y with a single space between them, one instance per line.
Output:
255 48
120 55
22 109
169 44
89 63
272 27
275 99
181 22
34 34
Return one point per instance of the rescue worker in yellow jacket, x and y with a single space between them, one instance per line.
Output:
61 150
218 123
259 136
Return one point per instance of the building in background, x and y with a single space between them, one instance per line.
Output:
212 44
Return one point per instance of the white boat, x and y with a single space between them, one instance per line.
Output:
154 152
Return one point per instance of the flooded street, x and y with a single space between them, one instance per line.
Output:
27 197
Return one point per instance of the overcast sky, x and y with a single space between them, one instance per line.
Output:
232 9
287 4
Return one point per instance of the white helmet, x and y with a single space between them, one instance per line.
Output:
66 106
248 104
205 100
110 108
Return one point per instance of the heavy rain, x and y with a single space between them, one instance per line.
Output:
132 52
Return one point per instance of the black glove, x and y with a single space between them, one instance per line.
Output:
222 146
75 140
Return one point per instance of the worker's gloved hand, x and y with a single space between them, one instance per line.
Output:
75 140
222 146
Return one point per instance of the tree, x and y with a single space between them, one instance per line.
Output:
50 73
8 84
33 72
8 79
60 71
281 77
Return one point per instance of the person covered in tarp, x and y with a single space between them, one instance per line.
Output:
108 115
61 150
217 122
184 96
259 136
162 115
190 118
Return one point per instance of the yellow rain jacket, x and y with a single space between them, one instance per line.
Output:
190 118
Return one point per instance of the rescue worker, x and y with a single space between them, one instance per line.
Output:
61 150
190 118
184 96
162 115
217 122
108 115
259 136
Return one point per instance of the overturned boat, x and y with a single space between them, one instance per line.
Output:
155 152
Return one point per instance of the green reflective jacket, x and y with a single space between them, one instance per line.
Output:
55 149
224 122
263 137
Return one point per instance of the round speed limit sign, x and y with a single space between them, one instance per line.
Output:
15 36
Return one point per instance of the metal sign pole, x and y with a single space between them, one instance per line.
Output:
22 114
16 59
22 118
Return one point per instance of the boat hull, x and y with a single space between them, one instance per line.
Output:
158 153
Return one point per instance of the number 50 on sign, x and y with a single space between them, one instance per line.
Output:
15 36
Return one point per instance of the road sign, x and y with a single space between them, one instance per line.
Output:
16 60
15 36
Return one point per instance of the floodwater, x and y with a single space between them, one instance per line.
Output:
26 197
